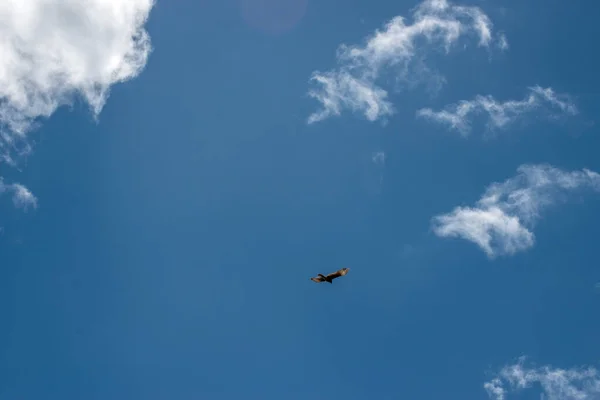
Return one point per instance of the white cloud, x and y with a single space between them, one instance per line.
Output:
21 196
342 90
552 383
500 114
501 221
438 23
53 51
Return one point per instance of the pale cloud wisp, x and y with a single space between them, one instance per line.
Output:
378 157
21 196
554 383
500 114
402 48
501 221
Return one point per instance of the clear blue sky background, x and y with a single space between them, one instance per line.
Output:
170 254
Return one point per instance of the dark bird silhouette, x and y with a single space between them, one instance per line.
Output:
330 277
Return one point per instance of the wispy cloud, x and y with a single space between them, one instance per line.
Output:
342 90
554 383
52 52
378 157
500 223
401 47
500 114
503 42
21 196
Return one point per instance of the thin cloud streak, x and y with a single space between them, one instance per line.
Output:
499 115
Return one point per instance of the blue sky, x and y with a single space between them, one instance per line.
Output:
173 173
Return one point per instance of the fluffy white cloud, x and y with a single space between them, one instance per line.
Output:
553 383
21 196
501 221
53 51
437 23
500 114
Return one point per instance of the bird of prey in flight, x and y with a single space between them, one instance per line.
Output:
330 277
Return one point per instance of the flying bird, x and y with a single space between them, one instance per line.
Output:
330 277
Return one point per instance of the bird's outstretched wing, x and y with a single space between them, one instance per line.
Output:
338 273
317 279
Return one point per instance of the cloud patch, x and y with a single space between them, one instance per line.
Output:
55 51
553 383
21 196
342 90
499 115
501 221
401 47
378 157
